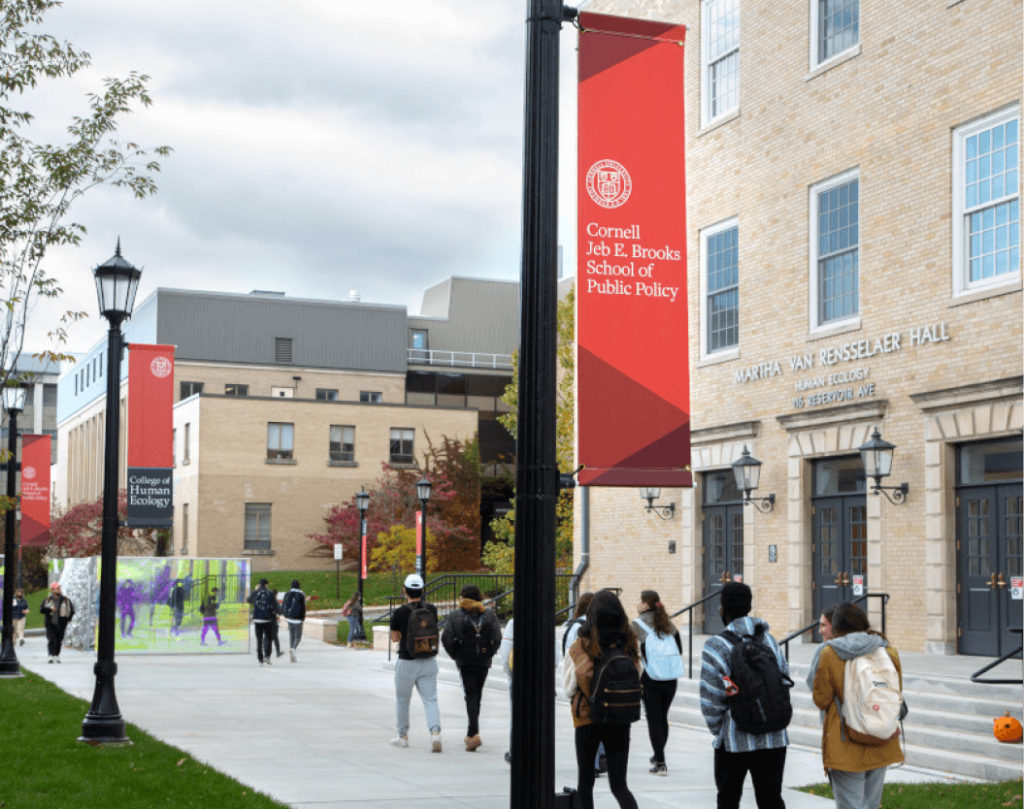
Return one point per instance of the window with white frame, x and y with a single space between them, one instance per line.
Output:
835 26
371 396
257 527
721 281
835 251
280 437
402 445
986 202
327 394
342 443
720 45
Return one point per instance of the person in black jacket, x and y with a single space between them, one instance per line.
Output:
294 610
176 602
471 638
59 611
264 617
20 610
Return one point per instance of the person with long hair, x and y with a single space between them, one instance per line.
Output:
653 628
856 771
606 627
572 631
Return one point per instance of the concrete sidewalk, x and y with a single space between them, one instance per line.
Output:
315 733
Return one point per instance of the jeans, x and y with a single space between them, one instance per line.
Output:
264 639
616 745
294 634
765 768
421 673
127 615
208 624
178 615
473 679
658 695
355 625
857 790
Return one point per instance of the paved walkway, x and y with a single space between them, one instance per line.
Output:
315 734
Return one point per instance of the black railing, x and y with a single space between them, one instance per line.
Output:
977 678
498 591
689 609
883 596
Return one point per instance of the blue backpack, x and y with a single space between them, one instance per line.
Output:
662 658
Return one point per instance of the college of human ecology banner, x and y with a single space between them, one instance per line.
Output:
35 490
633 358
150 436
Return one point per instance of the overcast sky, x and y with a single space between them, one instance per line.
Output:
320 146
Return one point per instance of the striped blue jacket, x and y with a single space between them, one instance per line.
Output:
715 666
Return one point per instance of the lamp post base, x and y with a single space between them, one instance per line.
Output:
97 730
104 723
9 666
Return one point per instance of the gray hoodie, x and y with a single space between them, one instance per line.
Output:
846 647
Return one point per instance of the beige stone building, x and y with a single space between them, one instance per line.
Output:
853 231
286 407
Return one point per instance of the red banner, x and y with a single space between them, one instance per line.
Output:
362 555
35 490
150 436
632 335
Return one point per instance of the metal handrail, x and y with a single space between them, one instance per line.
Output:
470 359
689 636
885 600
976 677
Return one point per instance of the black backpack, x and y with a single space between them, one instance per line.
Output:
421 634
762 704
292 605
615 689
263 605
476 646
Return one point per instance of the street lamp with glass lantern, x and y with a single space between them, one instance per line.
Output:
117 281
747 470
362 503
14 403
876 455
423 487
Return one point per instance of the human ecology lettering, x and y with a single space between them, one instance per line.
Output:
150 436
632 371
828 384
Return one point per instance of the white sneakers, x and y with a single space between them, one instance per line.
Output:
435 742
400 741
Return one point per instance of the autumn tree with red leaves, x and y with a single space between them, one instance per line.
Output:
78 532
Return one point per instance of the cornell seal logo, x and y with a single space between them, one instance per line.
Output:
608 183
160 367
28 473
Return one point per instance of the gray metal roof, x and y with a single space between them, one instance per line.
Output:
471 314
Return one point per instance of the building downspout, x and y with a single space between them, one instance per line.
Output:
574 586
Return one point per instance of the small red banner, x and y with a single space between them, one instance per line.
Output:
35 490
150 436
633 355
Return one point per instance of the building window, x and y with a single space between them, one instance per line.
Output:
720 45
186 454
257 526
371 396
234 389
49 395
343 443
190 389
280 436
835 249
720 258
418 339
326 395
402 445
282 349
836 27
184 528
986 202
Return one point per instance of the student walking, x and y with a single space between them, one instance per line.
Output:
275 625
208 609
20 609
471 638
264 616
59 611
605 641
662 652
414 629
737 750
353 610
507 659
855 770
294 609
176 601
572 631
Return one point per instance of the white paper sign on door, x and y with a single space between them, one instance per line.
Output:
1017 588
858 585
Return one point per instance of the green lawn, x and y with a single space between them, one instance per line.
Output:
45 765
941 795
321 583
34 619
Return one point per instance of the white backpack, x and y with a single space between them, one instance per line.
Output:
871 698
663 661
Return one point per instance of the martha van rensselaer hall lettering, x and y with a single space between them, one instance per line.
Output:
150 436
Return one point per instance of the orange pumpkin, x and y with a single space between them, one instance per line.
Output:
1007 729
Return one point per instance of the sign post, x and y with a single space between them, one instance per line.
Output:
337 569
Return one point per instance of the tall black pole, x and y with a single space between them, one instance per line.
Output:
8 659
423 536
104 723
360 632
533 691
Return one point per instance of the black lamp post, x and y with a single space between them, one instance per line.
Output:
117 281
876 455
362 503
748 474
14 402
423 487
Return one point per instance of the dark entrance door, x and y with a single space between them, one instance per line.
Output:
989 499
839 537
722 515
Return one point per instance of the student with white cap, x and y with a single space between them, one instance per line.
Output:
414 630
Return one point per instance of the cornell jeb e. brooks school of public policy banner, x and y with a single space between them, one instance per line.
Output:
35 490
150 436
633 375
